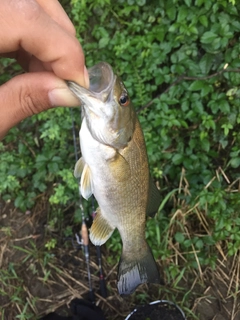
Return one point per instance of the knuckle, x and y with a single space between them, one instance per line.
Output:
31 103
28 9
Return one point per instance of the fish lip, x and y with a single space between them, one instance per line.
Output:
102 80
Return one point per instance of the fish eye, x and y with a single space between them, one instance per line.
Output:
124 100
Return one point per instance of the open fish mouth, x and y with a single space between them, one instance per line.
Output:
102 80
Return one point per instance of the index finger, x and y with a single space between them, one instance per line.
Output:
54 9
24 24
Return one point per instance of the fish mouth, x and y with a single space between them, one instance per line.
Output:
102 80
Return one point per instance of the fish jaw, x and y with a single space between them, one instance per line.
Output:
92 102
102 82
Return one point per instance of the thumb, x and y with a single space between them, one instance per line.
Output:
31 93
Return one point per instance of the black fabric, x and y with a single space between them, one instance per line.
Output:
81 310
55 316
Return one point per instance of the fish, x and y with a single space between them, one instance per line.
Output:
114 168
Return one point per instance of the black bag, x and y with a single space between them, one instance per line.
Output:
81 310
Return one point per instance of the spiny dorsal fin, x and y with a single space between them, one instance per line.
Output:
101 230
154 199
79 168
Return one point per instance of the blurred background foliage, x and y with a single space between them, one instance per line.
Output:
180 60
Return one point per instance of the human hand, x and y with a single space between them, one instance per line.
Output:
40 36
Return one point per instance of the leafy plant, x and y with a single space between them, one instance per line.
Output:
180 61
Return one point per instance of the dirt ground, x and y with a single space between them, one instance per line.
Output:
35 282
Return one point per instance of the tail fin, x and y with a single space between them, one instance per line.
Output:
133 272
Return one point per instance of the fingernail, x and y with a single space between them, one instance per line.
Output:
84 79
63 97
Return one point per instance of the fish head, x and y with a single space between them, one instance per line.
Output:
106 105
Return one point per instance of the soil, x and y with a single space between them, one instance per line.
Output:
47 282
157 311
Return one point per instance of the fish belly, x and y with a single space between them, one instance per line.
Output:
122 197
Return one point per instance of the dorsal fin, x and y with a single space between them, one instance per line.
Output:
154 199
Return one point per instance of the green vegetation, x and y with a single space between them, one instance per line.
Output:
180 60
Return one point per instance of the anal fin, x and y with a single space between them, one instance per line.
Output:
101 230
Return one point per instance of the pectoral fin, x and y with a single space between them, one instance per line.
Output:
119 168
101 230
79 168
154 199
82 170
86 187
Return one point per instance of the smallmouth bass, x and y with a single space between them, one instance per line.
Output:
114 167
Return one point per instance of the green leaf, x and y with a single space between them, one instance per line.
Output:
182 13
196 85
235 162
179 237
204 21
236 25
208 37
205 145
206 89
199 244
224 106
188 3
199 2
171 12
185 106
141 2
177 159
103 42
235 77
193 30
206 63
227 127
41 158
